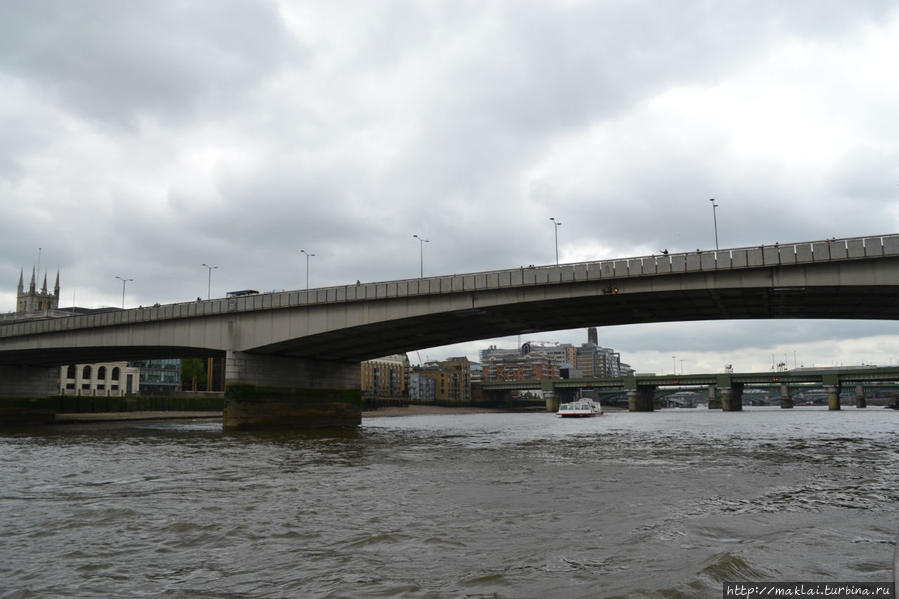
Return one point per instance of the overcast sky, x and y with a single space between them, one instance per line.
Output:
145 139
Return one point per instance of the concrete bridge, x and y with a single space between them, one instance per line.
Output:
725 390
292 358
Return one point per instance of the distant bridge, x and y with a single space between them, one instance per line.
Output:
725 389
302 348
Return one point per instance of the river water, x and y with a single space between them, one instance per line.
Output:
664 504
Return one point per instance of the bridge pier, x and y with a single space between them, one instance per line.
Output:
28 394
860 401
266 392
558 397
640 399
714 399
732 398
786 401
833 396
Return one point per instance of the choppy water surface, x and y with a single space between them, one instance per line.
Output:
668 504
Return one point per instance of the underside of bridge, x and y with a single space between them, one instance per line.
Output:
112 353
606 309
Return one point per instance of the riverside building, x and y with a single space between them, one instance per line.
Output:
452 379
386 378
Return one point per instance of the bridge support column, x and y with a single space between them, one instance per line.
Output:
732 398
786 401
860 401
28 394
640 399
714 399
833 396
277 392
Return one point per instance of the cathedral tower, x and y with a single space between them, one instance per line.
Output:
34 300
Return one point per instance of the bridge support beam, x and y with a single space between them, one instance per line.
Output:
732 398
714 398
640 399
860 401
786 401
264 392
28 394
833 396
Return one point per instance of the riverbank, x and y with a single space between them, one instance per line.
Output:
136 415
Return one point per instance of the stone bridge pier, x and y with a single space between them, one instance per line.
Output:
833 396
786 401
641 398
28 394
714 398
267 392
732 398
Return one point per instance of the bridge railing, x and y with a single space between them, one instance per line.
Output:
847 248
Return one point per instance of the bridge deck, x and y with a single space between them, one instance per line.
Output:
814 252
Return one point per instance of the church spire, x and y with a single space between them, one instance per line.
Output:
44 288
31 286
56 287
21 282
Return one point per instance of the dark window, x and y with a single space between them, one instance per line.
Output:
71 372
101 373
86 372
115 373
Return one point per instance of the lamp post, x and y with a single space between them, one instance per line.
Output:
674 363
556 225
421 254
209 280
308 255
123 280
715 219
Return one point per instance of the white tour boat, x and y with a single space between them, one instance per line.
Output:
582 408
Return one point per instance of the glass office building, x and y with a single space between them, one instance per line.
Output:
159 377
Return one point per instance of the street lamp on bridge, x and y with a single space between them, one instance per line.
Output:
308 255
123 280
421 254
556 225
715 219
209 280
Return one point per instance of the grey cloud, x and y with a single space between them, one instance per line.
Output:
114 62
725 336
